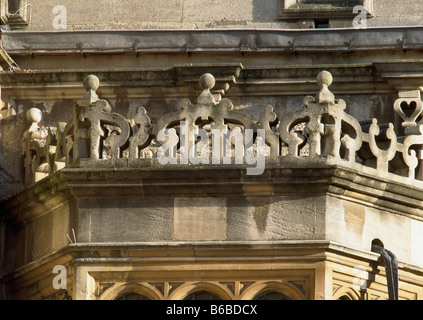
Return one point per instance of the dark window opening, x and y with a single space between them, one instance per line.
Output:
271 295
202 295
13 6
321 24
133 296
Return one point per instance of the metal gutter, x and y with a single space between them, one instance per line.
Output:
211 40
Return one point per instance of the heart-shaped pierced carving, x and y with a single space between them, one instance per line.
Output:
409 110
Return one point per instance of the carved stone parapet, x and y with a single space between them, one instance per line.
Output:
93 128
55 158
328 129
33 148
211 117
409 107
412 151
383 156
268 119
212 131
140 127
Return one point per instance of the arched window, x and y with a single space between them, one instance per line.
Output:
202 295
271 295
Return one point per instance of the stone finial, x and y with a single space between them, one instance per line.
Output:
91 84
207 82
34 115
324 80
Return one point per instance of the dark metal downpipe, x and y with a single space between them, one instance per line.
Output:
391 266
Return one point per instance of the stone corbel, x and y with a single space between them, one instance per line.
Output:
403 77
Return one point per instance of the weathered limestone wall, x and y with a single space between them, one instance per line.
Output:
397 13
356 225
248 219
31 240
186 219
128 219
124 219
191 14
134 14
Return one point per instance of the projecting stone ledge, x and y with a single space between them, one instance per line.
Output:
212 40
224 181
125 206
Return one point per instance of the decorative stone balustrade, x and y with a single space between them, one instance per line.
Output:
321 130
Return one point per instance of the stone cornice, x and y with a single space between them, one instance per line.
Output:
150 179
212 40
180 80
147 255
402 74
176 81
368 71
232 78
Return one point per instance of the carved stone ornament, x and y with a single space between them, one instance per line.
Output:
95 133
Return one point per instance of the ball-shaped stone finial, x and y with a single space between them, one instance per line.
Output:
34 115
207 81
324 78
91 82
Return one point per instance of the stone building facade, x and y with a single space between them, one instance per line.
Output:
116 117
